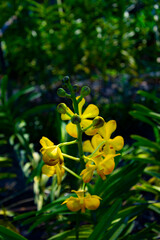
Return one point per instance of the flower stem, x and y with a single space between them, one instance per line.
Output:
101 144
67 143
71 172
71 157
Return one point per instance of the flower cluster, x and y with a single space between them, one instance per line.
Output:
100 150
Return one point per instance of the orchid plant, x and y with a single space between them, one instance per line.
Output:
95 155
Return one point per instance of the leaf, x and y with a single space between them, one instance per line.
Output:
141 141
7 175
38 109
10 235
105 220
148 95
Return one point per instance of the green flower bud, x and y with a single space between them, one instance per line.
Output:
62 108
65 80
76 119
85 91
61 92
98 122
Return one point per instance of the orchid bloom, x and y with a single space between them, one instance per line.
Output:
91 111
105 133
82 202
102 163
51 170
51 153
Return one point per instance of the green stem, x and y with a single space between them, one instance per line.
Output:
71 157
71 172
67 143
87 127
97 148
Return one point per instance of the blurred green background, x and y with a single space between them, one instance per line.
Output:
111 46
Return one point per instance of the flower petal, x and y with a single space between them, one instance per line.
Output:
92 202
80 105
58 173
45 142
88 173
91 111
108 166
48 170
73 204
117 143
65 116
85 123
96 140
72 130
107 129
87 146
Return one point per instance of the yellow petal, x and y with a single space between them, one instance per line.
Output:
48 158
117 143
88 173
48 170
80 105
108 166
91 203
107 129
79 193
86 123
91 111
96 140
65 116
45 142
72 130
58 173
73 204
87 146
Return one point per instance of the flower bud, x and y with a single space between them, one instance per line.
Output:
75 119
98 122
66 80
61 92
62 108
85 91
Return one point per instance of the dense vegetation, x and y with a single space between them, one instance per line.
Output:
113 47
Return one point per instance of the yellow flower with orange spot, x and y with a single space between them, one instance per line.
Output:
56 169
105 132
89 113
51 154
82 202
99 161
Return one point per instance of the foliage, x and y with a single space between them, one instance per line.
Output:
88 38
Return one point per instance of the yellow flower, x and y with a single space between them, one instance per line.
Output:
102 163
51 170
91 111
51 153
90 202
105 132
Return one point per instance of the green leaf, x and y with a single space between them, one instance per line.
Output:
7 175
141 141
38 109
7 234
148 95
4 82
105 221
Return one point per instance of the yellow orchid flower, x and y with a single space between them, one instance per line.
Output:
51 170
51 153
105 132
90 202
91 111
102 163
